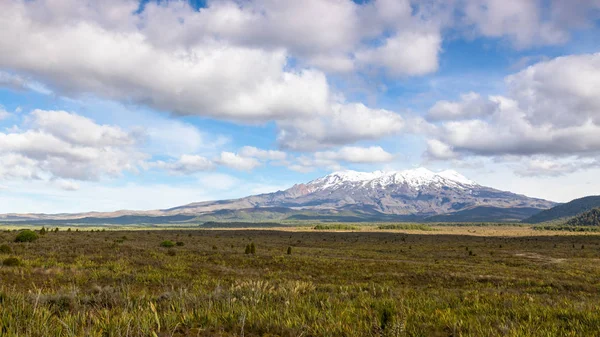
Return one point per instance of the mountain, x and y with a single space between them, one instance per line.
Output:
410 195
564 211
589 218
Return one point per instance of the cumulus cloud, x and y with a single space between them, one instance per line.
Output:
347 123
237 162
59 144
355 154
553 109
227 61
471 105
251 151
333 160
405 54
185 164
553 167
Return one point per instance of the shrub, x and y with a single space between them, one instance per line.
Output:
43 231
289 251
5 249
252 248
247 251
179 243
26 236
11 262
167 244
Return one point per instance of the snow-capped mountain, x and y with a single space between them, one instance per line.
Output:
417 178
416 194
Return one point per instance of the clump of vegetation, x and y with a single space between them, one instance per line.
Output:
419 227
26 236
11 262
343 227
289 250
567 228
589 218
171 252
5 249
43 231
250 249
167 244
179 243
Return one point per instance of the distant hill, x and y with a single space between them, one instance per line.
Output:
589 218
486 214
565 211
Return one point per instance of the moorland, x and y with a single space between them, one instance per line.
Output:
353 281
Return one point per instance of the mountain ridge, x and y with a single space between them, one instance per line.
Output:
408 194
566 210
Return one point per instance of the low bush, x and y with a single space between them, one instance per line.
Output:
5 249
167 244
11 262
26 236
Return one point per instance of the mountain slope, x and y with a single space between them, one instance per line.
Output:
589 218
410 195
486 214
567 210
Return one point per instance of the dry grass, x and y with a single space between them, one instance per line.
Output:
497 281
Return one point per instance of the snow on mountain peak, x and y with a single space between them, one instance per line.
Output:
380 179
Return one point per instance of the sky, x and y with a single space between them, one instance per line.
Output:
122 104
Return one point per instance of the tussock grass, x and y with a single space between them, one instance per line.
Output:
334 284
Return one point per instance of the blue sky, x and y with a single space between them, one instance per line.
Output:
140 106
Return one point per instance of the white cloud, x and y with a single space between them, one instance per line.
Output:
67 185
347 123
237 162
471 105
251 151
354 154
553 109
405 54
58 144
185 164
529 23
333 160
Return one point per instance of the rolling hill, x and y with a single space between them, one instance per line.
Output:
565 211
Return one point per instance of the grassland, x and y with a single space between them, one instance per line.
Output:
452 281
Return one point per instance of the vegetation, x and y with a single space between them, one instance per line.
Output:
334 284
589 218
167 244
344 227
567 228
11 262
565 211
406 227
26 236
5 249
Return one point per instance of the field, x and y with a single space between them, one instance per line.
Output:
450 281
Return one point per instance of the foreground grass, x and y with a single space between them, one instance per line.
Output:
333 284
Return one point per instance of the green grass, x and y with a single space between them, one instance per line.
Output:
333 284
